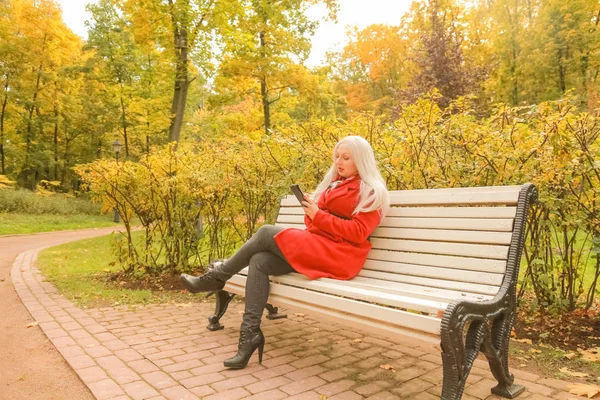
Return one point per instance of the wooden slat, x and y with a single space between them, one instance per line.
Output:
436 260
291 211
297 226
458 197
439 235
360 309
467 224
472 224
416 290
451 249
370 295
399 288
450 274
452 212
436 283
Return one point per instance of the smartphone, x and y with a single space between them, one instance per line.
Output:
298 193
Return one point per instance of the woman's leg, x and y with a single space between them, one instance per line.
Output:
214 280
262 241
262 265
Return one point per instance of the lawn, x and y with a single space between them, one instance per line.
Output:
81 270
18 223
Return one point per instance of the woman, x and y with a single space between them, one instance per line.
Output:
348 204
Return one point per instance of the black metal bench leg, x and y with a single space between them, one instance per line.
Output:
222 302
458 357
495 348
273 312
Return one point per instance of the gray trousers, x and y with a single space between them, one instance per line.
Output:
263 258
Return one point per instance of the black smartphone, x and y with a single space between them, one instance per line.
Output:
298 193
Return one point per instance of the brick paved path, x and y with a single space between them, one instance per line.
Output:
165 352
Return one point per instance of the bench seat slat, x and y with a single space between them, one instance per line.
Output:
435 283
340 288
450 249
417 290
484 278
436 260
502 238
398 288
423 323
468 224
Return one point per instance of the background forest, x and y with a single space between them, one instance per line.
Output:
218 113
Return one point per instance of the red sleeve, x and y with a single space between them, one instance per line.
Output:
356 230
307 221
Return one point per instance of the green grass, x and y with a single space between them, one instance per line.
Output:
16 223
79 270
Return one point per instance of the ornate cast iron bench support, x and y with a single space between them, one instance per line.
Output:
470 327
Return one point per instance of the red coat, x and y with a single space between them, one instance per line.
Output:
331 247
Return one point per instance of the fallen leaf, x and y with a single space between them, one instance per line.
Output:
534 351
592 354
581 389
527 341
34 323
387 367
322 397
357 341
566 370
310 340
570 356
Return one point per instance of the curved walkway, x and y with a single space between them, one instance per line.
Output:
165 352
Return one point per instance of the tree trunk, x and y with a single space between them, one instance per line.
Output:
55 177
26 174
2 115
263 89
124 124
181 83
561 72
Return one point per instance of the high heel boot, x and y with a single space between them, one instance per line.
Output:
204 283
250 340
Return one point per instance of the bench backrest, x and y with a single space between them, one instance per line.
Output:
436 243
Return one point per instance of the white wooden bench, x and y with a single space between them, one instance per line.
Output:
443 267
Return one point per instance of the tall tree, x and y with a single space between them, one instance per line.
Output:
437 51
185 29
264 44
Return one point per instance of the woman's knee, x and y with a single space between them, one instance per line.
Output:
259 263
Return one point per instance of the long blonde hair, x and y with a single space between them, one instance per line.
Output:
373 192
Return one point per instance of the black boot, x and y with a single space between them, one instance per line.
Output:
250 340
204 283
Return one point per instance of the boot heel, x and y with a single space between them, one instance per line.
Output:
261 347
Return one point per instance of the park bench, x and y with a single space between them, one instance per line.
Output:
443 268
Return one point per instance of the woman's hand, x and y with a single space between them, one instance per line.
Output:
310 207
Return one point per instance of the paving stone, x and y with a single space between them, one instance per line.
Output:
334 388
178 393
159 379
409 389
274 394
139 390
105 389
303 385
268 384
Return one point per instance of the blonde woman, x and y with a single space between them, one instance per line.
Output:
347 206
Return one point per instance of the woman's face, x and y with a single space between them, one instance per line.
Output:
344 162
